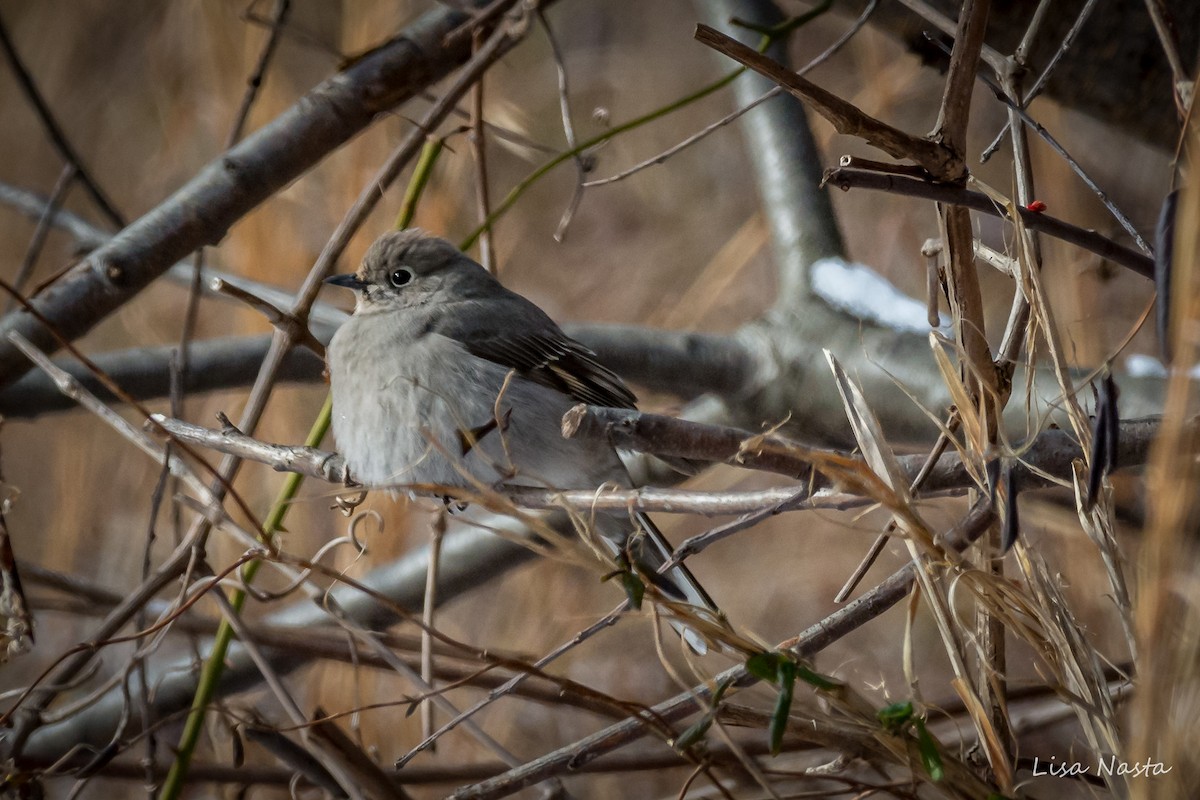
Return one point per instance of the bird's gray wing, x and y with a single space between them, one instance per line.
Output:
514 333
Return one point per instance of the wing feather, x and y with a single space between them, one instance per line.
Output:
518 335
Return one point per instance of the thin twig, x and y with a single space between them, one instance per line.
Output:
1075 166
512 684
847 179
276 28
44 223
845 117
582 161
55 131
737 114
483 203
819 636
1040 83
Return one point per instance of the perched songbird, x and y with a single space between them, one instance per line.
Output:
443 376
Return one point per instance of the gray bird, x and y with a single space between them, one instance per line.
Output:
443 376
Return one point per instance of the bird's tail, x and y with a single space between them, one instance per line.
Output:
650 550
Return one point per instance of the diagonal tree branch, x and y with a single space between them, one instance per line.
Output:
935 157
202 211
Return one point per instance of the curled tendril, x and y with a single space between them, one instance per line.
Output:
352 529
351 538
347 503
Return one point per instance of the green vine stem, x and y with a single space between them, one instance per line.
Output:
214 664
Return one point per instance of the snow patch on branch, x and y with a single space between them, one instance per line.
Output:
859 290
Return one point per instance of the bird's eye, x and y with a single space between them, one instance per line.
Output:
400 277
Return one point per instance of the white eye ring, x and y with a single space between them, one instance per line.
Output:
400 277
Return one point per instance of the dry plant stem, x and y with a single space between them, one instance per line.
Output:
949 27
989 628
54 130
427 614
847 179
1021 53
807 644
845 117
201 212
1170 45
939 448
482 18
955 110
564 107
1163 718
978 370
1018 318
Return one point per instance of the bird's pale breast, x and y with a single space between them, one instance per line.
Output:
406 404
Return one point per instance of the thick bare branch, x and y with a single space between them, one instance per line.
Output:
1051 453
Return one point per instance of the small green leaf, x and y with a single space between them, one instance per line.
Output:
816 679
895 716
693 734
783 705
635 590
765 666
785 672
931 759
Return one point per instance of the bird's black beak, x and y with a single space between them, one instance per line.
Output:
349 280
